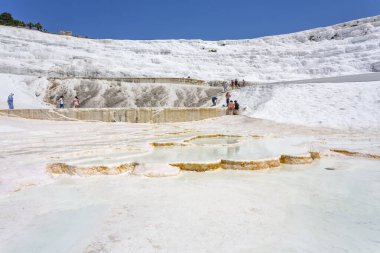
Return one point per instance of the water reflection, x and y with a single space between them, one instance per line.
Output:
232 149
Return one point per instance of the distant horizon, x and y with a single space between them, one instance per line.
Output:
207 20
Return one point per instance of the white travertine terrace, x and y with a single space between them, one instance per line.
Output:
268 192
131 115
342 49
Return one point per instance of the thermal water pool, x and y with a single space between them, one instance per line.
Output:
201 150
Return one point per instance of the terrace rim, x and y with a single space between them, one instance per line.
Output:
130 115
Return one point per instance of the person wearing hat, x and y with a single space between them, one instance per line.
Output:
10 101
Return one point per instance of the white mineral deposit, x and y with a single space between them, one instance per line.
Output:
146 165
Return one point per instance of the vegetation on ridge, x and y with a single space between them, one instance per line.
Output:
7 19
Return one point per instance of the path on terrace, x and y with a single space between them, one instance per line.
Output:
161 80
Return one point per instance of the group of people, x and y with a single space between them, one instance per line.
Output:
234 84
232 106
61 102
75 102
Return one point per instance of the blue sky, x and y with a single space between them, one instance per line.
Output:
187 19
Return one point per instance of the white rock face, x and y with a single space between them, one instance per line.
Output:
156 170
348 48
336 105
29 90
39 92
105 93
351 48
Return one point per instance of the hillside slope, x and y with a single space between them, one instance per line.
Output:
348 48
336 104
29 60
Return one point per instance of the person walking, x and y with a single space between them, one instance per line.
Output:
225 86
76 102
61 102
228 96
10 101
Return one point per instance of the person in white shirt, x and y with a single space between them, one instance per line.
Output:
61 102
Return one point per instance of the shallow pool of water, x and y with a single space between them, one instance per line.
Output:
215 141
207 150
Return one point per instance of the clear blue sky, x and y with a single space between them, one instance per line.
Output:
187 19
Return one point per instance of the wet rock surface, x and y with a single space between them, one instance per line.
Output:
86 210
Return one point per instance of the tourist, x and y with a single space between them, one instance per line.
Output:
243 83
76 102
232 84
10 101
228 96
61 102
237 107
214 99
230 108
225 86
237 85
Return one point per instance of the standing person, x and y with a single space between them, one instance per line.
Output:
225 86
213 99
10 101
61 102
243 83
76 102
232 84
237 107
228 96
237 83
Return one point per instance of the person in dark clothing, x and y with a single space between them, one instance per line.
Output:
10 101
213 99
228 96
237 84
237 107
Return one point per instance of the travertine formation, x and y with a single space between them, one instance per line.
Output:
212 136
200 167
139 80
63 168
301 159
115 92
157 170
148 170
131 115
355 153
343 49
167 144
250 165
